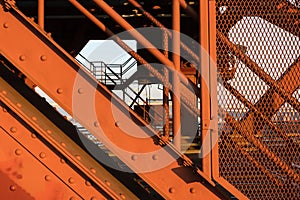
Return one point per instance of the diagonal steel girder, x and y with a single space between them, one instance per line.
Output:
55 72
25 113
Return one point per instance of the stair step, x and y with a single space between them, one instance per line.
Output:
110 87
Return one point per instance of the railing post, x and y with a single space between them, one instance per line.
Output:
176 82
41 13
166 121
204 82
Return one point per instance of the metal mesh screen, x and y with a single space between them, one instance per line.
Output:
258 49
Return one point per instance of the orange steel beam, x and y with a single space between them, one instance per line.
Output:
176 81
56 73
140 38
166 90
41 13
289 82
160 25
187 8
234 144
142 61
260 116
257 143
260 72
69 152
281 90
17 166
213 92
205 79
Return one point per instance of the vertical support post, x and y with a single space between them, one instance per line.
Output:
176 82
204 83
213 86
166 89
41 13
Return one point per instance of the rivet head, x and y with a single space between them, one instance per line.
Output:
107 182
33 135
96 124
22 57
4 92
48 131
154 157
71 180
59 91
12 188
43 58
117 123
93 198
42 155
5 25
18 152
62 161
13 129
78 157
133 157
192 190
122 196
63 144
47 177
87 183
171 190
93 170
19 105
4 109
80 91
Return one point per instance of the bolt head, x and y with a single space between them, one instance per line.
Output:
80 91
96 124
107 182
13 129
22 58
87 183
71 180
78 157
154 157
133 157
93 170
43 58
12 188
18 152
59 91
192 190
42 155
47 177
171 190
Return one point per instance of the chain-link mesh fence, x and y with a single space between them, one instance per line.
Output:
258 51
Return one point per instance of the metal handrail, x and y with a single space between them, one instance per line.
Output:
119 77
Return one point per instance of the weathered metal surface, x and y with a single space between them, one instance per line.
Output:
60 87
55 151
